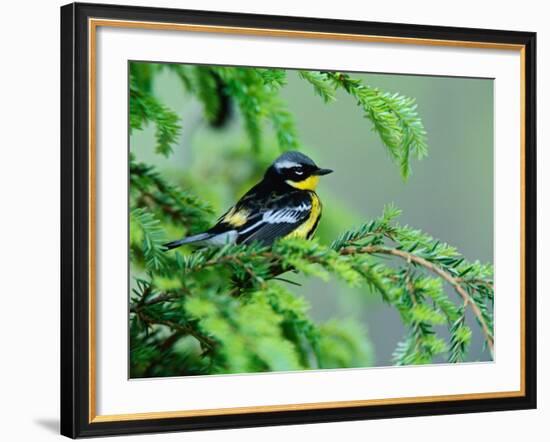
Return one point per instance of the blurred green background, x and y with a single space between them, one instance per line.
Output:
449 195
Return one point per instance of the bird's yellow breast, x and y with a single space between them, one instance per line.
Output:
308 227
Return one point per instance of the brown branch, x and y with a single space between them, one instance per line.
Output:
150 200
163 348
236 259
160 298
409 257
204 340
371 249
476 281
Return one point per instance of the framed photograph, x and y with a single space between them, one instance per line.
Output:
275 220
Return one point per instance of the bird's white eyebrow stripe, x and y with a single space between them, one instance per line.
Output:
286 164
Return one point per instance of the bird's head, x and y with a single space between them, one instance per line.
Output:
296 170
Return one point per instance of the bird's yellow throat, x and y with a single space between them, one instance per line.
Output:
309 183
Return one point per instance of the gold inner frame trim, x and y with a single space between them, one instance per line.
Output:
297 407
93 24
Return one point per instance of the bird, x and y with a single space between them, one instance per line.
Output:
283 204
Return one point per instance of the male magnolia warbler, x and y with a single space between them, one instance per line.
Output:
283 204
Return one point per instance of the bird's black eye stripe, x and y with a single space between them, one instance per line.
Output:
298 170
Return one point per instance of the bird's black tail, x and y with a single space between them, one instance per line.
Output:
190 239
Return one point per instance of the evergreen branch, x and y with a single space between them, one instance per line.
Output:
412 258
145 108
146 230
163 349
207 343
255 92
250 268
150 308
421 343
164 297
250 334
149 190
320 83
343 344
394 117
374 231
461 336
274 78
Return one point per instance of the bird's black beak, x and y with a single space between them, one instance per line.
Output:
323 171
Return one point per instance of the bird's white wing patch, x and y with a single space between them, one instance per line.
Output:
286 215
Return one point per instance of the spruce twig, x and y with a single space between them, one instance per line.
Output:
411 258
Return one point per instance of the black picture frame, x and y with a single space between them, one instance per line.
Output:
75 220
